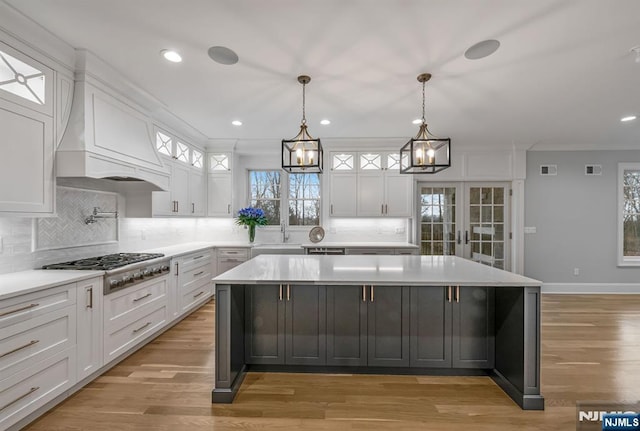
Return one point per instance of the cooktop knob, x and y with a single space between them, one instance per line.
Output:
127 279
156 270
137 275
114 283
146 273
165 268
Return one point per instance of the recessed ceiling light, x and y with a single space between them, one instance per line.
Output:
236 123
222 55
325 122
482 49
417 121
171 55
628 118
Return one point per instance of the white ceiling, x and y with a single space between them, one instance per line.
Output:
562 78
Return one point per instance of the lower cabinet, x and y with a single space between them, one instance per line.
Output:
89 329
285 324
452 327
346 325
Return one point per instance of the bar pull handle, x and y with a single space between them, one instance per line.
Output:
459 241
17 310
449 294
177 206
466 237
198 273
198 257
364 293
142 297
142 327
90 297
372 293
288 292
386 209
331 208
228 208
382 209
457 293
176 269
199 294
280 294
17 349
193 208
10 403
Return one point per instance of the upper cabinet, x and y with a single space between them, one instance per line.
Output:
27 186
187 192
219 185
369 184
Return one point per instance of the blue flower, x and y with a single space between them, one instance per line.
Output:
250 216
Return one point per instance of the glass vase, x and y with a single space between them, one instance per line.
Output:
252 233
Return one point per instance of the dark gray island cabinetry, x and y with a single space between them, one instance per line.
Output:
378 314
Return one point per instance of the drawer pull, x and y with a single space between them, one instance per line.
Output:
142 297
17 310
30 343
199 294
142 327
90 297
198 273
32 390
198 257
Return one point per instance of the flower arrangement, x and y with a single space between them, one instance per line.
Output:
251 217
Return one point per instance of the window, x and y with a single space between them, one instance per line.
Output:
301 203
196 159
163 144
304 199
264 192
629 214
19 78
182 152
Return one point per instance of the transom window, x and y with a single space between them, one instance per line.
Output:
218 162
182 152
342 162
18 78
370 162
163 144
629 214
301 203
196 159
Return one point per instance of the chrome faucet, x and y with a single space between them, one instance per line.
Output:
285 234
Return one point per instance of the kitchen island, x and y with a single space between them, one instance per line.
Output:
439 315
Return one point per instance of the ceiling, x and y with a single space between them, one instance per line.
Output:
561 79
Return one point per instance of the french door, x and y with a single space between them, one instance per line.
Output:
469 220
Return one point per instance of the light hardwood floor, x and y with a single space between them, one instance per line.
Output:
590 346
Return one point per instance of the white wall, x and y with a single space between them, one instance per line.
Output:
575 219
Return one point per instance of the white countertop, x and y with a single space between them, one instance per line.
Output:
360 244
368 269
192 247
19 283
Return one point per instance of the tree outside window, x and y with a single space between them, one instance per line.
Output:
304 199
631 213
264 190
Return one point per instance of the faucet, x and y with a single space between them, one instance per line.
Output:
285 234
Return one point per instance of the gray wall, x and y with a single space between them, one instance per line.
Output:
575 217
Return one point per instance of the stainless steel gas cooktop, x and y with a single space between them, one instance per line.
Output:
106 262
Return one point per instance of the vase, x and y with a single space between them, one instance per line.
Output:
252 233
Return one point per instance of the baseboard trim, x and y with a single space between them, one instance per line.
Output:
591 288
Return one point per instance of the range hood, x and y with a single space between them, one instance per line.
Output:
108 138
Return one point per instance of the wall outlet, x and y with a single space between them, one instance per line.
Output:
576 271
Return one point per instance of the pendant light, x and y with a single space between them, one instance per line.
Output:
302 154
425 154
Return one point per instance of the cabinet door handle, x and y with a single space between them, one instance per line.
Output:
382 209
199 294
177 206
288 292
372 293
364 293
17 310
198 273
331 209
457 293
449 294
193 208
17 349
10 403
228 208
386 209
280 294
90 297
142 327
466 237
459 241
176 269
142 297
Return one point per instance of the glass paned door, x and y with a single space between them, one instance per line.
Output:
438 220
486 233
473 224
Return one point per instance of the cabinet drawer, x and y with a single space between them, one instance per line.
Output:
29 342
240 253
204 257
124 307
195 296
26 391
25 307
194 278
120 340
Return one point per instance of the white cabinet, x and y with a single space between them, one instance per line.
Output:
219 185
89 330
229 258
186 195
197 193
194 285
368 184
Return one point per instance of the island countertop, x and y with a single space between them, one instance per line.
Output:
370 269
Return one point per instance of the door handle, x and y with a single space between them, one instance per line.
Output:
459 241
331 208
288 292
364 293
457 293
90 297
449 294
382 209
466 237
280 294
386 209
193 208
228 208
372 293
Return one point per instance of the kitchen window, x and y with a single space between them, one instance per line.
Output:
301 203
629 214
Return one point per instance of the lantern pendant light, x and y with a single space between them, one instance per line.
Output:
303 153
425 154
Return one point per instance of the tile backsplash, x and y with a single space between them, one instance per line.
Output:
27 243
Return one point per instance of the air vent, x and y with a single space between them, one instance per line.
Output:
548 169
593 169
